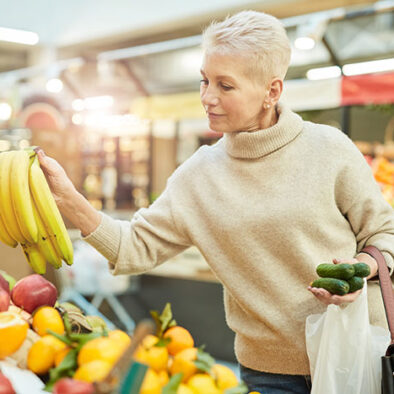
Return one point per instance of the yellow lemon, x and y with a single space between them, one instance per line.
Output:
203 383
151 383
120 337
163 377
102 348
59 356
47 318
41 357
156 357
183 362
93 371
183 389
225 378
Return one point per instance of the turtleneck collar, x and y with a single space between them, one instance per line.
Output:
259 143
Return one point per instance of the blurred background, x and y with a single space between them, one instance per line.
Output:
111 90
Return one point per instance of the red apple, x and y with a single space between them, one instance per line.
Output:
4 300
33 291
72 386
5 385
4 284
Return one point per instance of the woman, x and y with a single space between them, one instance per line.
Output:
275 197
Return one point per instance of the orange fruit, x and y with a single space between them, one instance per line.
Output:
59 356
102 348
47 318
151 383
41 357
180 339
225 378
202 383
184 362
93 371
13 331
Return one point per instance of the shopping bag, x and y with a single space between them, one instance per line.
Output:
344 350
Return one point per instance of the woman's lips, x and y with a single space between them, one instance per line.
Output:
212 115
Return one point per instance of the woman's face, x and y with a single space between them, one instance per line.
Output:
232 100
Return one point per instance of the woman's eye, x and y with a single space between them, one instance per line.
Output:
226 87
204 82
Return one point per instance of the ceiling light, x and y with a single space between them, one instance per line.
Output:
54 85
98 102
18 36
77 119
308 34
315 74
369 67
5 111
304 43
78 105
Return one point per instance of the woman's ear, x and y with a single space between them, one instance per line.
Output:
274 92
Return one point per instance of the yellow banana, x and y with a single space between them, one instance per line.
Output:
6 208
20 195
44 243
5 236
35 258
49 212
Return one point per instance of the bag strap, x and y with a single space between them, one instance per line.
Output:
385 285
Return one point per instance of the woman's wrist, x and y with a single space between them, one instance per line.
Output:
80 213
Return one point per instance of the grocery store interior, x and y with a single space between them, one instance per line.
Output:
111 90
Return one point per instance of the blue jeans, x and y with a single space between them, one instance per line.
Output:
272 383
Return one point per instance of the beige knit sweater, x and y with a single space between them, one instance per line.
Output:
264 208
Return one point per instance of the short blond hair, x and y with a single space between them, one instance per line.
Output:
254 34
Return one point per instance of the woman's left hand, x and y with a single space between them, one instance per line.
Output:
327 298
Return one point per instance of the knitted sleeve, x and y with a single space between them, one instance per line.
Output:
361 202
150 238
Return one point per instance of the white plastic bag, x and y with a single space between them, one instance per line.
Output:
344 350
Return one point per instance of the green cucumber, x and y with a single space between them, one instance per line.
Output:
333 285
355 283
338 271
361 269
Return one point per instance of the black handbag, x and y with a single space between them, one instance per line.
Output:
388 300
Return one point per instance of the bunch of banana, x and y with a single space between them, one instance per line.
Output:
28 212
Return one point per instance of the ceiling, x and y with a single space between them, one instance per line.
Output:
91 30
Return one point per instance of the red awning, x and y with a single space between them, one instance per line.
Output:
367 89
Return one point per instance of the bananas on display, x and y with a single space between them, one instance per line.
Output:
29 214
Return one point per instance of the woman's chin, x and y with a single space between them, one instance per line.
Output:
217 128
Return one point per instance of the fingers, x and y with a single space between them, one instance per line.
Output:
343 261
48 165
327 298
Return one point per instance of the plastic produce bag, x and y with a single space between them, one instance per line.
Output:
344 350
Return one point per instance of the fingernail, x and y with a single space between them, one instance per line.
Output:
41 152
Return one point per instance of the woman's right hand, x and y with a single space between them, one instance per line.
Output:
58 181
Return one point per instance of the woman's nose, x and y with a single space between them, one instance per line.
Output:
209 98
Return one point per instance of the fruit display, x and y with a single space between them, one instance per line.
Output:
383 171
177 366
341 279
28 212
74 353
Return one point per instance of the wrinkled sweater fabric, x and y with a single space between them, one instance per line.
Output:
264 208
